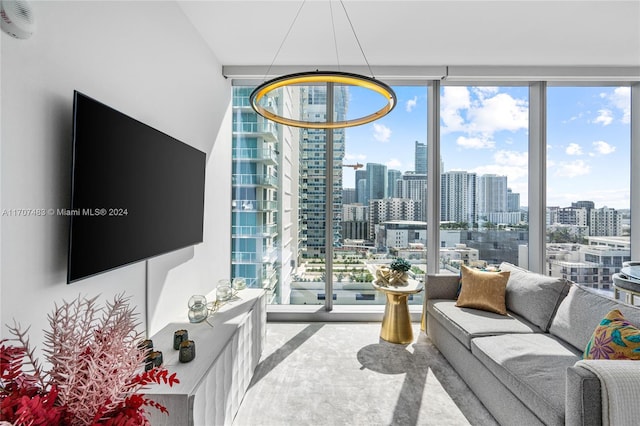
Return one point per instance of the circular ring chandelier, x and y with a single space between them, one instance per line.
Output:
326 77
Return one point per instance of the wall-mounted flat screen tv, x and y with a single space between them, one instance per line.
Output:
135 192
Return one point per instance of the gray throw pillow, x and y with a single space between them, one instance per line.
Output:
533 296
582 310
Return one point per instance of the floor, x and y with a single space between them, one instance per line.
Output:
344 374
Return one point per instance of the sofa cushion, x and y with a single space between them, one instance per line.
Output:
533 367
581 312
614 338
533 296
483 290
467 323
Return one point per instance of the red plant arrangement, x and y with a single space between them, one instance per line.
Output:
95 376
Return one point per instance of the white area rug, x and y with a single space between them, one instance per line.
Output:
343 374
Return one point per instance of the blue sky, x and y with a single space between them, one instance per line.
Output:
484 130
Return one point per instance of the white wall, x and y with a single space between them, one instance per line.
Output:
146 60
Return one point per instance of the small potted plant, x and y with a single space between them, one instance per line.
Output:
399 268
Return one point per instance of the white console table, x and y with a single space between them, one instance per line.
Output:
212 386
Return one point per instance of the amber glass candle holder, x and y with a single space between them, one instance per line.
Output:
178 337
187 351
153 360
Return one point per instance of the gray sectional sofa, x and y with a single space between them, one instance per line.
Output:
522 366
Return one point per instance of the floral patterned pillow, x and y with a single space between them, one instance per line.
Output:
614 338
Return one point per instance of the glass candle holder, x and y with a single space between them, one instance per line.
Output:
223 290
198 308
239 283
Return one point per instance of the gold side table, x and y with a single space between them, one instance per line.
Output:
396 323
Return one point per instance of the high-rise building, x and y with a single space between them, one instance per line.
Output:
376 182
263 248
392 177
355 222
571 216
355 230
414 186
586 204
420 165
605 222
354 212
361 186
383 210
589 205
552 215
348 196
492 195
312 170
513 201
458 197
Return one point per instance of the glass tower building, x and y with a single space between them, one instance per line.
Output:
312 170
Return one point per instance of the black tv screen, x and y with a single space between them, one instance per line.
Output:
135 193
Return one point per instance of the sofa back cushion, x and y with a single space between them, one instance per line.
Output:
581 312
533 296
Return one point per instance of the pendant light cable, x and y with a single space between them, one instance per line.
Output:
284 39
357 39
335 40
322 77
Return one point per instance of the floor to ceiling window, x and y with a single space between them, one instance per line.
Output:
256 186
383 173
588 183
484 176
279 205
379 187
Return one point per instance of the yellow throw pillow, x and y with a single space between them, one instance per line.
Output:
614 338
483 290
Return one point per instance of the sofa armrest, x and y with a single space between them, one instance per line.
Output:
583 401
619 383
441 286
438 286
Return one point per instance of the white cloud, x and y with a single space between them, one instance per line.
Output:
355 157
488 113
571 169
621 99
604 116
381 133
603 148
512 158
500 112
475 143
454 99
393 163
573 118
512 164
483 92
411 104
574 149
511 172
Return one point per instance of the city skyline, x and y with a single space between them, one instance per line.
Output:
484 131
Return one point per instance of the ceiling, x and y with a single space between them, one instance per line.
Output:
420 33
